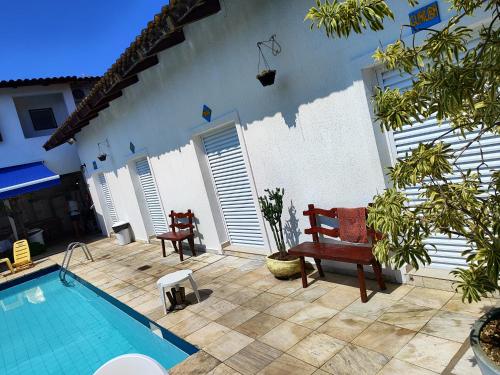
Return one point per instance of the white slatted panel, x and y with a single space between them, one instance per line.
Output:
151 196
108 200
447 252
233 188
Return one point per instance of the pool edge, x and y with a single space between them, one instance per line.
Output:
179 342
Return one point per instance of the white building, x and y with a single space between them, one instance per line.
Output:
311 132
33 180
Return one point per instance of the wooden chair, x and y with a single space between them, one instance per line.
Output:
340 252
180 231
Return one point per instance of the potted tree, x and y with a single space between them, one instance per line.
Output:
454 72
280 264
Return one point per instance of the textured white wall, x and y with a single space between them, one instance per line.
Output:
16 149
311 132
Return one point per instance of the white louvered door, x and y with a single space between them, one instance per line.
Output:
108 200
233 189
151 196
447 251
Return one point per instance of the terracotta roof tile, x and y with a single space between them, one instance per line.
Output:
164 31
13 83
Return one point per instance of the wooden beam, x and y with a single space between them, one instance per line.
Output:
208 8
109 98
142 65
175 37
120 85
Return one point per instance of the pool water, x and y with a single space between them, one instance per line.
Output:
49 328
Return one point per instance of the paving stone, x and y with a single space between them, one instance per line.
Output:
228 345
384 338
258 325
353 359
316 348
284 336
345 326
432 353
253 358
289 365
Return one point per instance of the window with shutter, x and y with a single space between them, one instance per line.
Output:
108 200
445 252
151 196
232 186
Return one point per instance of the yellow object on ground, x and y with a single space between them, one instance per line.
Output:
7 261
22 256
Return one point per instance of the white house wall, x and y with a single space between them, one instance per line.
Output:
15 149
311 132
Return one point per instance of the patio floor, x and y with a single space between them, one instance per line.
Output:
251 323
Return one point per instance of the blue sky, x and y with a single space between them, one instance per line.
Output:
46 38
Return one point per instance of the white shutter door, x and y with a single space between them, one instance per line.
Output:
151 196
447 251
108 200
233 188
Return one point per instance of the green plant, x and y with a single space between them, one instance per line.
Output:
457 81
271 206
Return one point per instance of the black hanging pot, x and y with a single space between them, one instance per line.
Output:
102 157
266 77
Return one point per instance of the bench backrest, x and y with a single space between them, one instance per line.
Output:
181 220
316 229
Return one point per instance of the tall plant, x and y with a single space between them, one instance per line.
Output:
458 82
271 206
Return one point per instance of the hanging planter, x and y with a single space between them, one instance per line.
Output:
266 76
102 155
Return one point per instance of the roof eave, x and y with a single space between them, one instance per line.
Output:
163 32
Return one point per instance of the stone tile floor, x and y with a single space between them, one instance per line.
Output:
251 323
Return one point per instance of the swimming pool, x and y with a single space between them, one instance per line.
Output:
49 328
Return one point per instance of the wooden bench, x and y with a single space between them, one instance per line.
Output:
185 232
340 252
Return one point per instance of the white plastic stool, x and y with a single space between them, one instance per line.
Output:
174 279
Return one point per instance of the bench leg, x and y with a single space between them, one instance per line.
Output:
303 272
362 283
181 255
163 248
191 245
377 269
320 269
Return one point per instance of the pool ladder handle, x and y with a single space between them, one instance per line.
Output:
67 257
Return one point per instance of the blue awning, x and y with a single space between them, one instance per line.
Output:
24 178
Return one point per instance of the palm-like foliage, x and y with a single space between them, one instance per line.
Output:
454 81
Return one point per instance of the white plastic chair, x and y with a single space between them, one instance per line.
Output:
131 364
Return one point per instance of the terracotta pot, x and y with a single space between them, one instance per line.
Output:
282 268
486 365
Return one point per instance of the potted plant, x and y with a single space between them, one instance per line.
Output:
266 77
485 342
280 264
